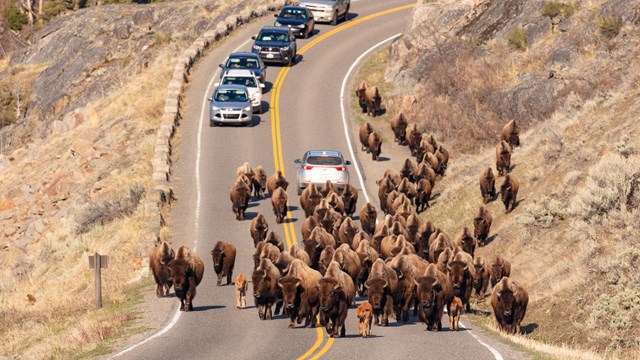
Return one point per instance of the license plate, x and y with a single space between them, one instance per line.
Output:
269 56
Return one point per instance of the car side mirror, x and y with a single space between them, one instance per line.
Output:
297 161
216 84
210 98
347 162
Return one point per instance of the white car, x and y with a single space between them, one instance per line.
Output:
248 79
318 166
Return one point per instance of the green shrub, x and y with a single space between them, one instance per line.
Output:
610 27
552 9
518 38
543 212
7 105
15 17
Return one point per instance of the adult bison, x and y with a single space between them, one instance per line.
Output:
500 267
409 167
381 286
245 169
259 182
360 90
239 195
347 231
461 272
265 250
368 255
159 259
399 127
407 188
326 256
509 301
503 158
509 192
259 228
308 225
349 199
465 241
372 100
442 154
309 199
511 134
224 257
433 162
423 195
279 204
487 185
414 138
434 292
348 261
266 291
186 274
318 240
439 243
481 225
337 292
275 181
424 171
274 239
363 134
481 276
300 293
385 186
374 143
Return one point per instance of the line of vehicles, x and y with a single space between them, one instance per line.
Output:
238 94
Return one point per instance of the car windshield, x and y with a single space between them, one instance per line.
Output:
242 63
239 80
324 160
293 14
230 96
273 36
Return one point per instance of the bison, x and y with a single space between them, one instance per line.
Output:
399 127
259 228
375 145
385 186
275 181
465 241
423 195
245 169
308 225
439 243
487 185
265 289
500 267
349 199
347 231
455 309
442 154
279 203
365 319
259 182
434 292
336 294
239 195
327 188
414 138
481 225
309 199
461 272
159 259
511 134
318 240
241 291
224 257
509 192
509 302
481 276
503 158
326 256
186 274
372 100
381 286
274 239
365 131
360 91
300 293
348 260
265 250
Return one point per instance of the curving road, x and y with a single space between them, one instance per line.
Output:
304 113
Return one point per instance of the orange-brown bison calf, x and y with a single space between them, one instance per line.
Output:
365 318
455 309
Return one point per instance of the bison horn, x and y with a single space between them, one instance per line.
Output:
386 283
336 287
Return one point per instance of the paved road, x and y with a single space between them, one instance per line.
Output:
308 117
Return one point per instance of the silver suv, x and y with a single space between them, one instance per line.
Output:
318 166
328 10
230 104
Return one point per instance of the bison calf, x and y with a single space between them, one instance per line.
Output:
241 291
455 309
365 318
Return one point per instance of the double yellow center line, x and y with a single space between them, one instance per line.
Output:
278 158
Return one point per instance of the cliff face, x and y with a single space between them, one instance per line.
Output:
474 65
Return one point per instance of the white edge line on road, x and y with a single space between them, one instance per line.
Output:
203 112
493 351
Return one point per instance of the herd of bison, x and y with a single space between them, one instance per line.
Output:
400 263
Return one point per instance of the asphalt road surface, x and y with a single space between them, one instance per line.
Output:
302 112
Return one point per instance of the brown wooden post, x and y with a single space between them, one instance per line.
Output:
98 262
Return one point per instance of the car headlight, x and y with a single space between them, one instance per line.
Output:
254 96
215 108
248 108
256 48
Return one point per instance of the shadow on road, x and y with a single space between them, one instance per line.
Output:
208 307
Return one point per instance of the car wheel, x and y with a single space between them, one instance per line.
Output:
334 21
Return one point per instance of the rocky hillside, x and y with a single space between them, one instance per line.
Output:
75 166
567 72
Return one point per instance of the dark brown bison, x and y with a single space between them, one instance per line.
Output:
399 127
481 225
309 199
300 293
259 228
465 241
365 130
186 274
424 234
159 259
443 260
434 292
487 185
224 257
511 134
239 195
360 90
375 145
372 100
279 203
298 253
360 236
259 182
349 199
335 201
414 138
442 154
432 141
385 186
337 292
404 295
266 291
409 167
500 267
377 237
413 227
461 272
423 195
368 255
503 158
509 301
481 276
509 192
381 287
275 181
